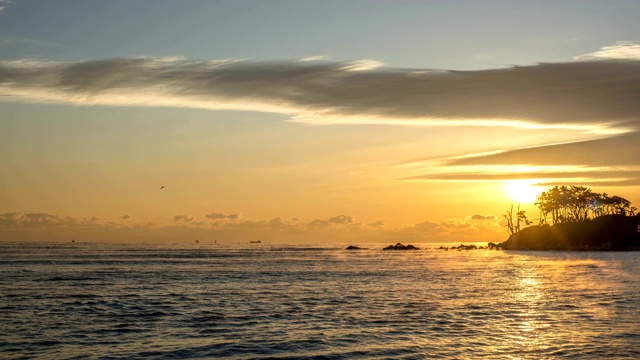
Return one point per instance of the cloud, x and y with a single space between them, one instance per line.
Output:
220 216
483 217
620 50
336 229
314 58
606 161
317 223
591 96
184 218
339 220
377 224
618 150
45 220
598 95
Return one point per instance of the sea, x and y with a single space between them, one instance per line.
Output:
268 301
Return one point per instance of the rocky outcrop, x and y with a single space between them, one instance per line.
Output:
399 246
608 232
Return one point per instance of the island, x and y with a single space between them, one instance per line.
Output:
580 220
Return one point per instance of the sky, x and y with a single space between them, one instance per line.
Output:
309 121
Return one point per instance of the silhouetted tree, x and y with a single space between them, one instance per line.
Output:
515 220
578 203
509 218
521 218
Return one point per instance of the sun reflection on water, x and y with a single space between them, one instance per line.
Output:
529 324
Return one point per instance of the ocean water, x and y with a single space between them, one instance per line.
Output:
259 301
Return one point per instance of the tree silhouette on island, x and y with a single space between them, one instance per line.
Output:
580 220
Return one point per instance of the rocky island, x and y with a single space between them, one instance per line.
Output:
607 232
581 220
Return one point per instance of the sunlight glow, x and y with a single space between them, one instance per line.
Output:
522 191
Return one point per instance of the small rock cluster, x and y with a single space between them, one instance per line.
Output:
399 246
490 246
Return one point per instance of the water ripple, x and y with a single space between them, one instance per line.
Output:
123 302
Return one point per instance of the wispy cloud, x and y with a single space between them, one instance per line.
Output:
621 150
606 161
598 96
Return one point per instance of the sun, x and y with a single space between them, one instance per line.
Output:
522 191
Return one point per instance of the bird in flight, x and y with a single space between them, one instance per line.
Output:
161 187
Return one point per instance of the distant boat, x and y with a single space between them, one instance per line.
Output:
255 242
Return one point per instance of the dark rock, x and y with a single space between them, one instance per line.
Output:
351 247
399 246
464 247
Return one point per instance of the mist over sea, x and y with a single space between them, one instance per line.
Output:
258 301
